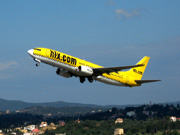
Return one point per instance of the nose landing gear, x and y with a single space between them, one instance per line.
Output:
37 64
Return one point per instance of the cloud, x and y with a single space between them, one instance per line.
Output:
122 13
8 65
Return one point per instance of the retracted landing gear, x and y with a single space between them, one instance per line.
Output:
82 79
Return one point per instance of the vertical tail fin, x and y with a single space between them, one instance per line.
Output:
137 72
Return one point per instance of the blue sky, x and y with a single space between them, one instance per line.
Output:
106 32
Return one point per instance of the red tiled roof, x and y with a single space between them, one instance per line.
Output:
35 130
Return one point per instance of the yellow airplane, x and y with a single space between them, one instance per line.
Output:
68 66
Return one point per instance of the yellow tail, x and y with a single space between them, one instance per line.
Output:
137 72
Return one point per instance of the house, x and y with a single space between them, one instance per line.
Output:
1 133
43 124
24 131
7 111
35 131
52 124
177 119
41 132
146 113
131 113
77 121
119 120
174 119
61 123
118 131
30 127
13 133
27 134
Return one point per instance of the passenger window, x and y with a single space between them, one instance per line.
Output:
37 49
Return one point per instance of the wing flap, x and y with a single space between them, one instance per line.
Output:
146 81
100 71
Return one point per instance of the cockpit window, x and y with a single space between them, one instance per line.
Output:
37 49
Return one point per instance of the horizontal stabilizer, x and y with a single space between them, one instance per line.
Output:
146 81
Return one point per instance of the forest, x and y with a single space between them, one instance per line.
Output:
131 127
145 119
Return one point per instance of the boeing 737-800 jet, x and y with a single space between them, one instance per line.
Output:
68 66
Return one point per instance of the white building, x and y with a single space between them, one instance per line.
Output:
27 133
118 131
131 113
174 119
119 120
30 127
43 124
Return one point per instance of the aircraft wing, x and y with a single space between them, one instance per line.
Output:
100 71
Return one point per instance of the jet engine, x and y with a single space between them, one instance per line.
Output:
64 73
85 71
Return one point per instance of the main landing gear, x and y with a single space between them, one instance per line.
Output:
90 79
82 79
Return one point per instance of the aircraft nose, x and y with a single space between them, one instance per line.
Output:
30 51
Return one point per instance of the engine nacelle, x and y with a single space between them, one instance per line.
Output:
85 71
63 73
